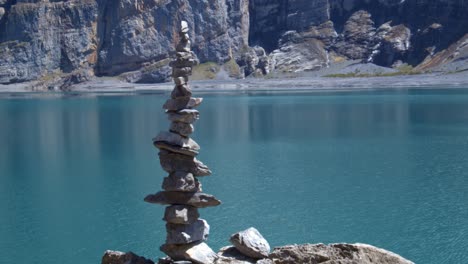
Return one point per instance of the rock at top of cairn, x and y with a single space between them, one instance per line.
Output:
182 194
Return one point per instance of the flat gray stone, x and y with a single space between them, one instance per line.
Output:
189 233
180 181
182 103
176 143
251 243
181 214
188 116
182 129
172 162
199 200
198 252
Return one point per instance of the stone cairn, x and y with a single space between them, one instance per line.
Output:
186 232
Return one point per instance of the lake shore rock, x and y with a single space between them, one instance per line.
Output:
341 253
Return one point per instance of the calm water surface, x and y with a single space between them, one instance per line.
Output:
385 168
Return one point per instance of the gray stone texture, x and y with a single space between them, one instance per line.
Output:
335 254
182 129
117 257
176 143
187 233
251 243
181 214
172 162
181 181
182 103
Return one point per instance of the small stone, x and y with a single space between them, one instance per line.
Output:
176 143
180 181
251 243
181 72
184 26
181 91
180 81
117 257
184 45
199 200
181 214
185 234
265 261
182 129
182 103
199 252
188 116
171 162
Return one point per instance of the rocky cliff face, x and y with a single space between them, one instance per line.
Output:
42 39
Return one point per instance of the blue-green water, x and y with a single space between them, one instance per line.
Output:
385 168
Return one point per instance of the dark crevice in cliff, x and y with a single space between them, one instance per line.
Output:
101 33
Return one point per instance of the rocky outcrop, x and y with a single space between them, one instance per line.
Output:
117 257
335 254
292 254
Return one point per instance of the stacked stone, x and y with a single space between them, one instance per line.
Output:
186 233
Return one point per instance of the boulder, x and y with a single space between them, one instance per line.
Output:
335 254
199 200
176 143
198 252
180 181
181 214
251 243
187 233
117 257
171 162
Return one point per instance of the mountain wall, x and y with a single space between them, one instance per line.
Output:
45 39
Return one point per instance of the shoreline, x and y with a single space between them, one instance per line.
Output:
108 85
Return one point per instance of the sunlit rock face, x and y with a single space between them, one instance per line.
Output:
39 38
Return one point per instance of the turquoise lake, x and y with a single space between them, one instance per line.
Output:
387 168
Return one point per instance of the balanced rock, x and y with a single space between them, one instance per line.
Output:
182 103
199 200
176 143
180 81
171 162
181 91
181 72
181 214
180 181
188 116
182 129
198 252
185 234
251 243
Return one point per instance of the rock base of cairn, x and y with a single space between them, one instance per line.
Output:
182 191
